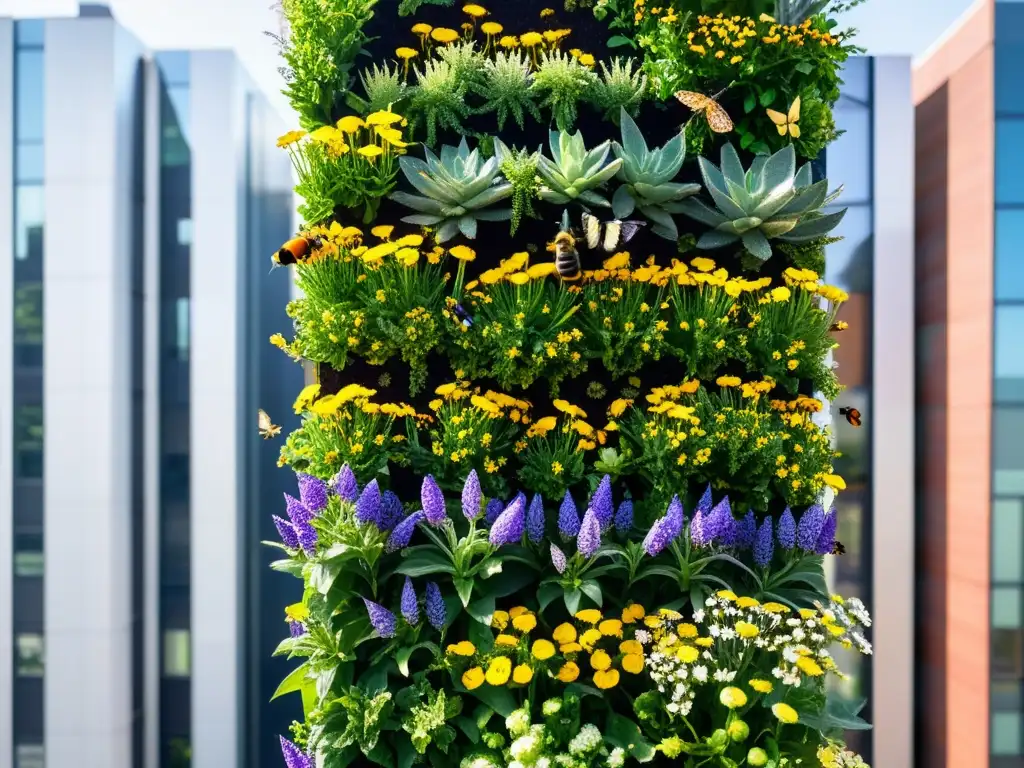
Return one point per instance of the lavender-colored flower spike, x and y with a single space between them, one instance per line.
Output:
390 510
298 512
809 528
589 538
432 500
535 519
293 756
368 506
494 508
402 533
665 529
296 628
746 531
787 530
705 503
828 533
436 612
410 604
624 516
602 503
719 525
558 559
697 533
307 538
345 484
313 492
568 517
764 544
381 619
287 532
471 495
675 518
510 525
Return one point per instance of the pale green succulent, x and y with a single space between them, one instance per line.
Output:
458 190
561 83
384 88
771 201
619 86
505 88
647 179
573 173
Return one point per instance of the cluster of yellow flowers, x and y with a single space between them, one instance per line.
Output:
664 15
751 390
573 420
467 418
808 280
721 35
369 139
606 645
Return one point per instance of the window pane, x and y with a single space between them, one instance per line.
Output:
1008 540
29 31
28 162
849 262
28 554
1006 654
1007 445
1006 696
29 655
849 156
181 328
1010 160
1009 65
174 66
1006 608
1010 253
28 441
28 95
1009 348
856 76
29 208
29 756
177 653
1006 730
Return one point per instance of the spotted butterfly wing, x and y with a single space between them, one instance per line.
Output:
718 119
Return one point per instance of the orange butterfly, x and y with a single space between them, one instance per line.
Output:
718 119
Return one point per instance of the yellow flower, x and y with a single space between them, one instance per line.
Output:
543 269
473 678
606 678
775 608
705 642
564 633
619 406
306 397
498 671
732 697
568 672
556 468
371 151
444 35
610 628
834 481
600 660
543 649
545 12
522 674
525 623
325 134
781 293
761 686
570 648
589 615
746 630
462 253
405 53
474 10
278 341
728 381
566 407
290 138
631 647
587 60
407 256
383 231
506 640
392 136
421 29
491 28
589 638
746 602
519 610
632 612
296 612
531 39
809 666
686 631
703 264
485 405
518 278
687 654
633 663
735 59
785 713
509 41
462 648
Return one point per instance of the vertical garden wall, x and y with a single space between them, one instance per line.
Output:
565 479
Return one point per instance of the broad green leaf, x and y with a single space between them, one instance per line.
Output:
622 732
464 587
375 679
403 655
482 610
768 97
468 727
749 103
481 636
322 576
592 590
804 67
572 599
498 699
617 41
309 697
547 594
294 681
294 567
514 579
381 755
405 750
424 562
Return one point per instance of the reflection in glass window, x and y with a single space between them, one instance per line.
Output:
1008 540
28 441
28 649
28 95
1010 161
849 263
29 756
849 156
1009 253
1006 653
1009 351
1006 733
177 653
29 208
181 310
1006 608
28 555
1009 65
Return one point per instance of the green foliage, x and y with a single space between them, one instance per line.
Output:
438 99
427 724
353 719
520 168
769 201
809 255
457 190
817 127
319 53
383 86
409 7
574 173
562 82
505 88
620 87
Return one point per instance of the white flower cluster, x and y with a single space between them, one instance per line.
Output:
534 747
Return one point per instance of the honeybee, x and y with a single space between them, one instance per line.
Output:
296 250
268 429
852 415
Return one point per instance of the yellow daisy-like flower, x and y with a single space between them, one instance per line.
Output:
589 615
531 39
686 631
590 638
746 630
610 628
518 278
405 53
522 674
474 10
421 29
498 671
546 12
462 253
473 678
444 35
543 649
371 151
587 60
525 622
728 381
687 654
703 264
568 672
809 666
543 269
606 678
296 612
705 642
631 647
350 124
761 686
383 117
325 134
834 481
564 633
412 241
383 231
519 610
506 640
290 138
632 613
782 293
746 602
732 697
600 660
633 663
509 41
570 648
785 713
278 341
462 648
775 608
491 28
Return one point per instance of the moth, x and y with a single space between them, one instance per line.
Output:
718 119
268 428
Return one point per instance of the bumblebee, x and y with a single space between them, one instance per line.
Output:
852 416
296 250
567 259
838 548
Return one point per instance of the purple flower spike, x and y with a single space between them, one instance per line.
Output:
471 495
705 503
624 517
390 510
307 538
746 531
787 530
494 508
345 484
697 532
432 500
368 506
558 559
287 532
809 528
437 614
828 533
313 492
535 519
764 544
400 536
602 503
381 619
665 529
589 538
293 756
410 605
568 517
298 512
510 525
296 628
719 525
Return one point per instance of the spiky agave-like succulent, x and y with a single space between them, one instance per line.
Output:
458 190
770 201
505 88
573 172
647 179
